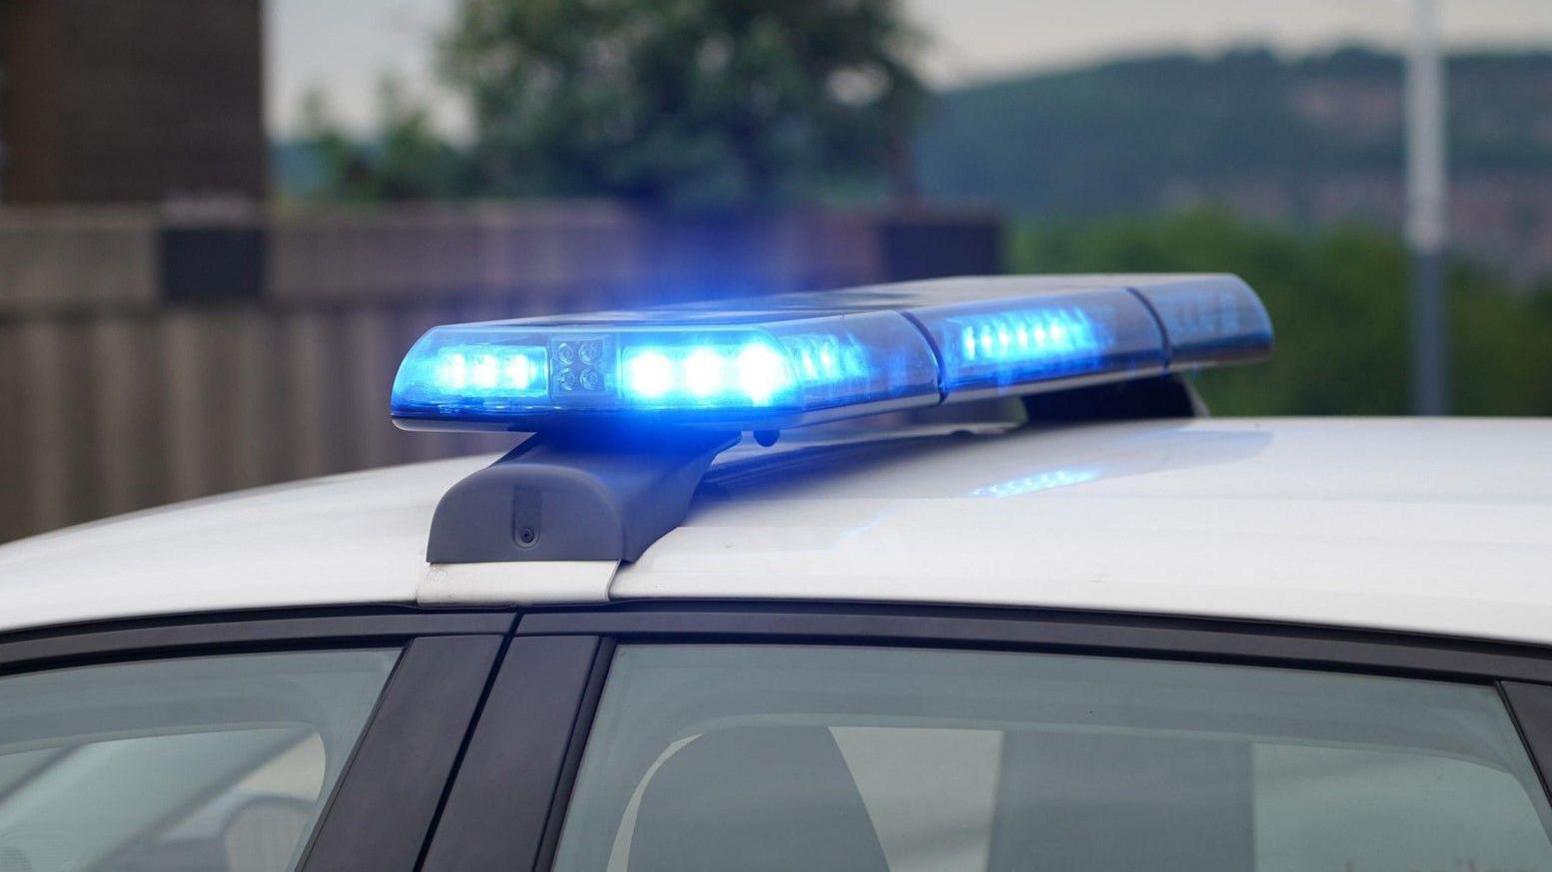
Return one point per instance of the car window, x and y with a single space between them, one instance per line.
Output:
205 764
791 757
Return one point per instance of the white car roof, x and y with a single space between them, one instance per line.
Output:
1434 526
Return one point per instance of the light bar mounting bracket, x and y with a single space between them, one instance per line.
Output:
583 495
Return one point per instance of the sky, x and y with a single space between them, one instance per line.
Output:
344 47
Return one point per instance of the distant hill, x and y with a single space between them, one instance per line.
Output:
1307 140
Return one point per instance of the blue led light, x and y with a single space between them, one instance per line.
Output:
762 372
649 374
1046 336
486 371
1003 344
751 372
705 372
803 358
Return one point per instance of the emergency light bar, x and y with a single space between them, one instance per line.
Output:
787 360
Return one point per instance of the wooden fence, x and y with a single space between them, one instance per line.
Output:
147 357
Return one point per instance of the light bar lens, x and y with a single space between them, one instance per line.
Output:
514 374
804 358
1210 322
1002 344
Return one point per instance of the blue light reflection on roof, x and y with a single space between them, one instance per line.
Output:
1039 481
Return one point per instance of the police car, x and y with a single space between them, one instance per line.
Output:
952 575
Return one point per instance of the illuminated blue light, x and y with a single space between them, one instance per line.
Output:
1013 344
649 373
485 371
663 376
704 373
1010 347
520 371
822 361
1045 336
762 372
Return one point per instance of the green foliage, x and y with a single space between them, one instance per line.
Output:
1338 303
1502 348
683 102
406 161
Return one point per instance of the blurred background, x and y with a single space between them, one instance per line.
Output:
222 222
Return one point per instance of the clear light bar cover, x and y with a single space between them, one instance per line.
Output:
1210 322
514 374
785 360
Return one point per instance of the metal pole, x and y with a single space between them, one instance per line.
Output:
3 115
1426 231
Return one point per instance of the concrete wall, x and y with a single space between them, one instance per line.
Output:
147 356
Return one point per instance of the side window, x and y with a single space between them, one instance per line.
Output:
831 758
204 764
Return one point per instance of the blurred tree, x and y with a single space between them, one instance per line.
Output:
685 102
405 160
1338 303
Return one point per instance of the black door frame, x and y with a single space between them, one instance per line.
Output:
384 807
506 805
187 635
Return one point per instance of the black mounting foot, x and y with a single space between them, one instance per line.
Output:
602 495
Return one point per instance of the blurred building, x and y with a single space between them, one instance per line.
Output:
131 101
